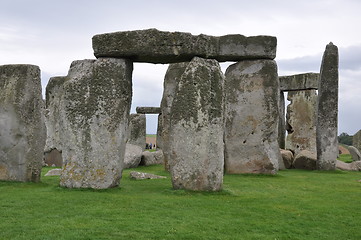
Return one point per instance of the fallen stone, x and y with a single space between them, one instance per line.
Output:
354 166
154 46
301 121
133 156
251 118
326 130
305 160
355 153
141 176
196 134
148 110
287 157
22 123
152 158
137 130
171 81
298 82
94 118
53 172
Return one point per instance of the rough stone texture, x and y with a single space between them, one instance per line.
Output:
304 81
137 130
282 123
171 80
196 133
326 133
301 121
54 92
251 118
355 153
159 137
22 127
151 158
155 46
354 166
133 156
141 176
53 172
94 115
53 158
305 160
287 157
356 140
148 110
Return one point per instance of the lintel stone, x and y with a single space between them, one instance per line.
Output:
154 46
148 110
304 81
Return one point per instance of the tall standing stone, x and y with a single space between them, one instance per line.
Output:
94 117
326 133
282 123
171 80
251 117
356 140
196 128
301 121
137 130
22 127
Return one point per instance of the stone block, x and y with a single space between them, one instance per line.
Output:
196 133
154 46
326 131
151 158
137 130
304 81
148 110
133 156
251 118
94 116
356 140
22 127
287 157
355 153
305 160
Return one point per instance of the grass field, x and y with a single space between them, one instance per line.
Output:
294 204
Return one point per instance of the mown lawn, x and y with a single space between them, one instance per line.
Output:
294 204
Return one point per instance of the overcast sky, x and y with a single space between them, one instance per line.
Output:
53 33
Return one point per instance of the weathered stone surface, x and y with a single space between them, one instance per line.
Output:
137 130
251 118
287 157
53 172
304 81
148 110
305 160
355 153
22 127
94 115
356 140
159 137
154 46
301 121
326 133
196 133
53 158
151 158
354 166
133 156
282 123
141 176
171 81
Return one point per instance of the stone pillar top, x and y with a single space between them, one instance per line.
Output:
303 81
154 46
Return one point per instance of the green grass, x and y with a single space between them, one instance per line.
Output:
294 204
347 158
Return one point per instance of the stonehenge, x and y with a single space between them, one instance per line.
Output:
209 123
22 123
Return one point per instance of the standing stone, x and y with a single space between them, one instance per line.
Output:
22 127
301 121
355 153
251 118
327 143
94 117
137 130
53 148
159 137
356 140
196 132
171 80
282 123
